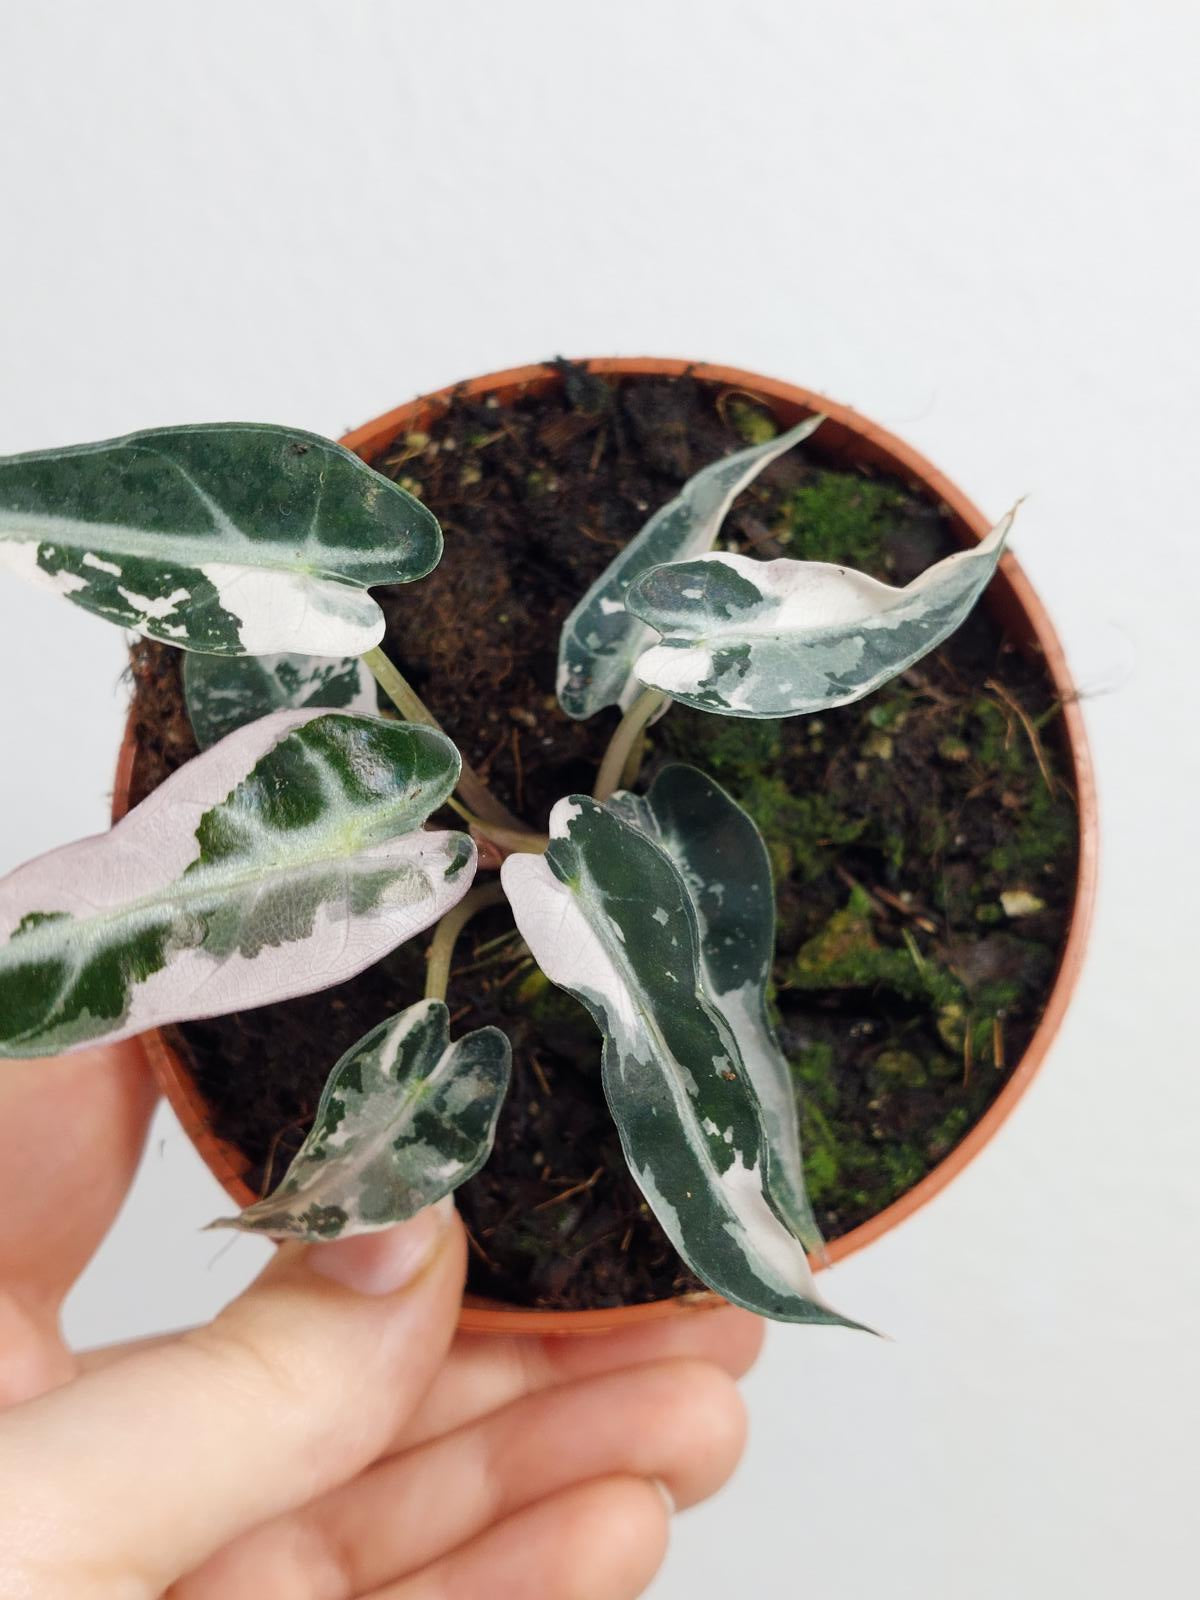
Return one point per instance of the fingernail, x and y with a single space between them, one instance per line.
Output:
668 1497
388 1261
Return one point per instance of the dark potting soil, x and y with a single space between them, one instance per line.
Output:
924 840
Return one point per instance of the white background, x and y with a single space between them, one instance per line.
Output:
975 222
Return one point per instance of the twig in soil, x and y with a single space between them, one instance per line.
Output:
599 538
485 766
998 1042
916 913
477 1249
518 769
509 977
272 1152
1026 722
917 680
489 438
601 1238
494 958
502 665
569 1194
503 1221
968 1054
489 945
597 450
539 1073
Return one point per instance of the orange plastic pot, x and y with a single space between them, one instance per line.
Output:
850 440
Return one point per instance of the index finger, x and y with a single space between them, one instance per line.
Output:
485 1372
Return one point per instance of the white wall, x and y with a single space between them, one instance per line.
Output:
976 222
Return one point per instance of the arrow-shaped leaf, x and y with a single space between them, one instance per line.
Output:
724 863
233 538
777 638
600 641
227 692
285 859
608 917
405 1117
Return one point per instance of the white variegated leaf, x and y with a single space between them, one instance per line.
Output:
777 638
405 1117
226 692
724 863
283 860
231 538
608 917
600 641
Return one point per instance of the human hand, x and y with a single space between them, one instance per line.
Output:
327 1436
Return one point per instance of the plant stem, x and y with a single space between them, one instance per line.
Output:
620 746
445 937
633 761
396 686
412 708
524 839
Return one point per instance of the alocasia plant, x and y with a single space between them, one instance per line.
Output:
294 851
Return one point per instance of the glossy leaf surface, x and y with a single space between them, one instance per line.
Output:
405 1118
283 860
724 864
224 693
601 641
778 638
232 538
608 917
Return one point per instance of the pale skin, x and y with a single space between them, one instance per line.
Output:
329 1435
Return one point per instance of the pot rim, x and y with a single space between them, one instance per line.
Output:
1011 596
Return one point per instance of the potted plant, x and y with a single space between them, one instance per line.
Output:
294 852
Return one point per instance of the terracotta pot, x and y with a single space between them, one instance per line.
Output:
849 439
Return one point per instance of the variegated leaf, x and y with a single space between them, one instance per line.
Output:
405 1117
600 641
283 860
724 863
777 638
609 918
227 692
232 538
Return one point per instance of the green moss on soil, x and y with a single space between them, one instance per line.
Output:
839 517
753 423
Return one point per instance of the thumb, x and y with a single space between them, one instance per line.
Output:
135 1473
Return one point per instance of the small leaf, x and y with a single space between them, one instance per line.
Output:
724 863
600 641
608 917
226 692
285 859
778 638
405 1117
234 538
